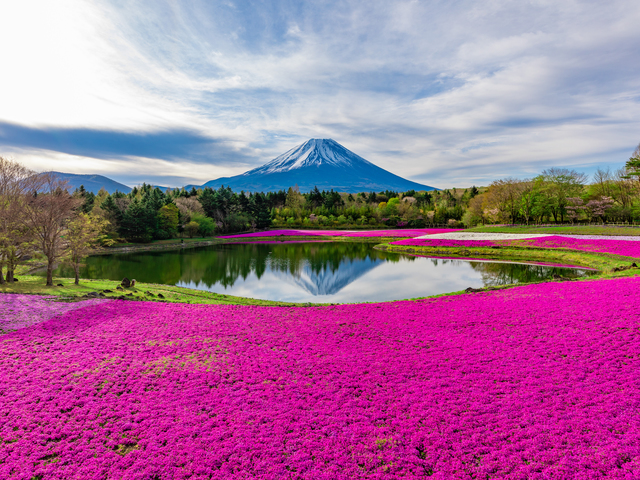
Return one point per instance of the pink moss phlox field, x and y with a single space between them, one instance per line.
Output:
19 311
424 242
342 233
627 248
279 242
527 383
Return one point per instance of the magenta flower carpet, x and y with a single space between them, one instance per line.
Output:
627 248
19 311
533 382
408 232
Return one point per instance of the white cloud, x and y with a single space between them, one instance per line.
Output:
459 92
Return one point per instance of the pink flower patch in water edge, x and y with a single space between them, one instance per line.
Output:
402 232
530 382
345 233
627 248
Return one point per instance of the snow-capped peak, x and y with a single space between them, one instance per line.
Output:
314 152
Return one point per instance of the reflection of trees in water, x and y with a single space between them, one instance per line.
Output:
506 273
225 264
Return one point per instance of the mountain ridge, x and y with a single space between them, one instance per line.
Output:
92 183
322 163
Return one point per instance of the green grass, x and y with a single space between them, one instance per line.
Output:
562 229
31 284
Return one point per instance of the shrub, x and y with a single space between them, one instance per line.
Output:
206 225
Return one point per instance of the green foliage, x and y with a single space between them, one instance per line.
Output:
137 223
192 228
167 221
206 225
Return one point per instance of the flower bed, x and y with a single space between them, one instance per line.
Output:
345 233
627 248
530 382
20 311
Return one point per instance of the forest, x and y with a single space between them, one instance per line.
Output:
39 213
557 195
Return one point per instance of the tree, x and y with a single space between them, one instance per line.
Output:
504 195
560 184
633 164
48 212
191 228
294 199
315 197
475 211
206 225
16 237
168 221
598 208
84 232
136 225
574 206
529 195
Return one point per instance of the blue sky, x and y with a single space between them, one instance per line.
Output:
446 93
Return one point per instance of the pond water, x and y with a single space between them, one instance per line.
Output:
312 271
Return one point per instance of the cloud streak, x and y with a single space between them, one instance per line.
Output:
105 144
445 93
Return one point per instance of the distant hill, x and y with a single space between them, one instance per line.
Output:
318 162
92 183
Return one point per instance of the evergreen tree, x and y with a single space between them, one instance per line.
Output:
259 209
137 223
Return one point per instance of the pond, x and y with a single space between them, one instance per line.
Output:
312 271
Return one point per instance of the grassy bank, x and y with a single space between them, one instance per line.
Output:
31 284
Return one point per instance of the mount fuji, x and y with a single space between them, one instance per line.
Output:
318 162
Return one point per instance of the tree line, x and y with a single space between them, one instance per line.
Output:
38 213
561 195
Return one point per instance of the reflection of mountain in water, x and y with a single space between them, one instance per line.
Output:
318 268
328 281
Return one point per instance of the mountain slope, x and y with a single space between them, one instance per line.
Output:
92 183
318 162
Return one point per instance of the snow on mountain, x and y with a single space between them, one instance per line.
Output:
314 152
318 162
327 281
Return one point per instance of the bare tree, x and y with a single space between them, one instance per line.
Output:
188 206
16 238
603 182
48 211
